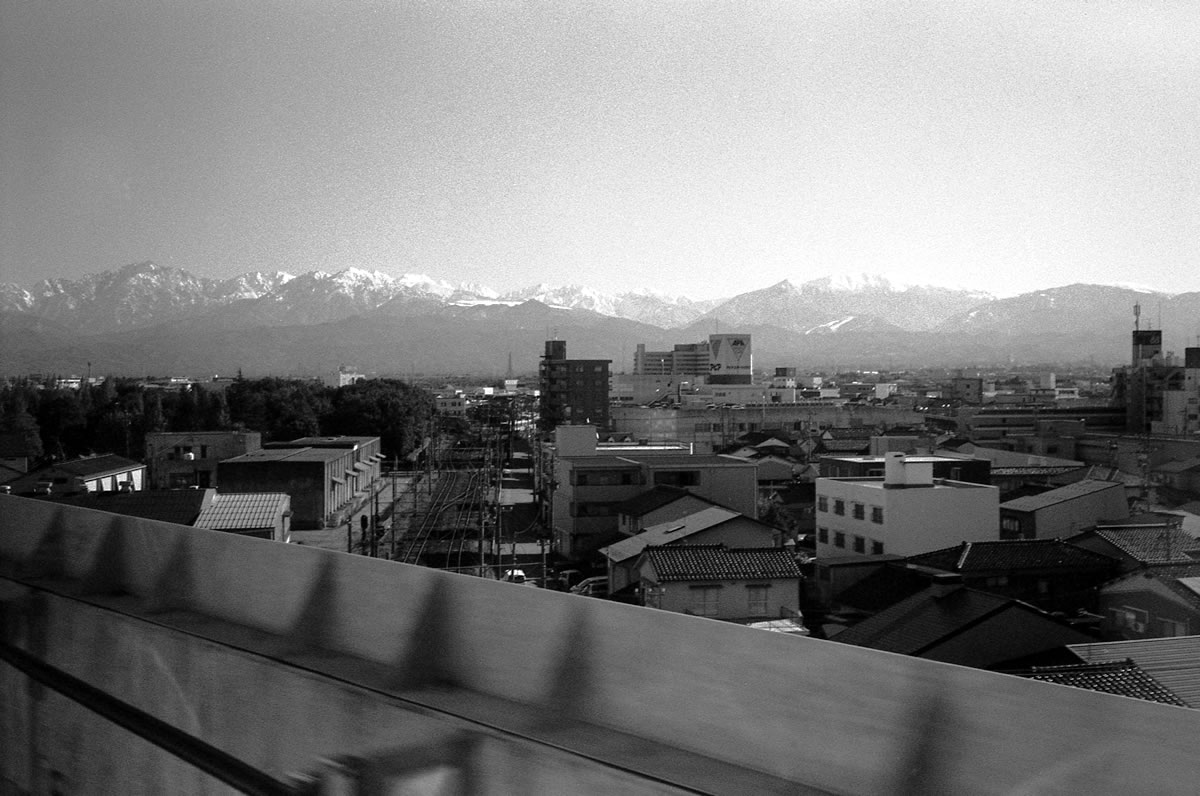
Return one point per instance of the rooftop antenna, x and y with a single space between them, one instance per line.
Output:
1137 314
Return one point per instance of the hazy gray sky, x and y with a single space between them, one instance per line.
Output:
696 148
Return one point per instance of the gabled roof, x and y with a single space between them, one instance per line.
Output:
180 506
1035 470
1148 545
1016 554
1173 662
1062 494
13 446
845 445
883 588
653 499
924 620
1183 580
244 511
718 562
1124 678
668 532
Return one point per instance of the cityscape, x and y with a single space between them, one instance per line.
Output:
647 398
1023 524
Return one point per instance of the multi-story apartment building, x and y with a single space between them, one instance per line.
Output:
573 391
903 512
722 359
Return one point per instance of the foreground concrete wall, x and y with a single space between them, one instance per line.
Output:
284 654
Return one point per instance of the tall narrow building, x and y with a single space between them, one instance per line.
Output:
573 391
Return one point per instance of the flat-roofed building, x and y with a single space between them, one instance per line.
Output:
903 512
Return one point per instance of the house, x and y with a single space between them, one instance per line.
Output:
905 511
1154 602
845 441
952 623
1063 511
104 473
15 452
179 506
715 581
590 490
655 506
177 459
1173 662
1047 573
712 525
264 515
1181 476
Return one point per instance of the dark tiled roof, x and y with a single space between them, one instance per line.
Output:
718 562
1124 678
180 506
13 446
650 500
98 465
246 511
1032 470
1062 494
924 619
1174 662
1016 554
1151 545
845 445
882 588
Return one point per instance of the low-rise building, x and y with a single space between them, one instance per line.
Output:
903 512
719 582
104 473
1063 511
178 459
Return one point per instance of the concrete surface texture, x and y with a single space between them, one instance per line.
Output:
287 656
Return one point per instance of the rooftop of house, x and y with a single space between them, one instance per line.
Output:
1033 470
103 464
13 446
718 562
244 511
1124 678
929 617
1173 662
1184 466
1148 545
180 506
1015 554
668 532
1062 494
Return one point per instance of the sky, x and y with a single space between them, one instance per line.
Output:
684 147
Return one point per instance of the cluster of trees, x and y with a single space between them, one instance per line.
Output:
115 415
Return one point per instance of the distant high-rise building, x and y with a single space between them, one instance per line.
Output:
573 391
722 359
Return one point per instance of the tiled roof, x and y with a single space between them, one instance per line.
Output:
650 500
244 511
1124 678
718 562
849 445
668 532
1016 554
1185 466
1031 470
1073 491
180 506
1150 545
912 625
1173 662
98 465
13 446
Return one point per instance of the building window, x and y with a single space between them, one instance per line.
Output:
705 600
823 535
998 581
877 515
860 511
839 507
860 544
839 539
876 548
822 503
756 600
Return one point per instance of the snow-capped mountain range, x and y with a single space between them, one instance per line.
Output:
145 316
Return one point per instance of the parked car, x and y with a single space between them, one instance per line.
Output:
514 575
592 587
